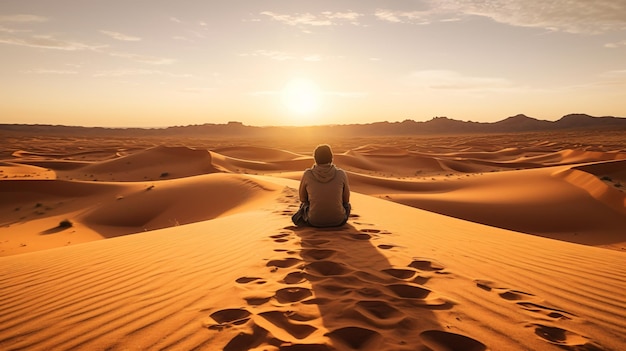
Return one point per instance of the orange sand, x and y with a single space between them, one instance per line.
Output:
213 262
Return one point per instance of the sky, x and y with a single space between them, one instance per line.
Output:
155 63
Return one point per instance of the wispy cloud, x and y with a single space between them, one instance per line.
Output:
49 42
23 18
12 30
573 16
284 56
120 36
51 71
326 18
615 45
613 78
451 80
274 55
420 17
139 72
153 60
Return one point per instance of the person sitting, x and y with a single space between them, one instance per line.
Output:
324 193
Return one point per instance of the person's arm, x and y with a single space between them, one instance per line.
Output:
346 189
304 196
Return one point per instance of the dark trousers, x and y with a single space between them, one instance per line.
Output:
301 217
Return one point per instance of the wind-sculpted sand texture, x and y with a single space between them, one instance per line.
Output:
214 263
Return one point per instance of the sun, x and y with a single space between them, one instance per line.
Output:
301 96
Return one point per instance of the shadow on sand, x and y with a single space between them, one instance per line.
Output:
334 289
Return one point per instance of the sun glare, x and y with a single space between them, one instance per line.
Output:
301 96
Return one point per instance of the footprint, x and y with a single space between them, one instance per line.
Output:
386 246
564 338
294 278
290 295
246 280
426 265
326 268
514 295
315 242
357 338
378 309
334 289
284 263
361 236
317 254
419 296
519 297
228 317
409 291
438 340
280 238
373 231
548 311
246 341
287 328
400 273
317 301
257 300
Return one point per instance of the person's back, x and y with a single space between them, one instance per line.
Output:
324 192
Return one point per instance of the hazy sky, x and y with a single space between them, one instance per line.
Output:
295 62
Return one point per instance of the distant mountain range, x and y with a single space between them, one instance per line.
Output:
438 125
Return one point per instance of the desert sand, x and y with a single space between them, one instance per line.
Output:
496 242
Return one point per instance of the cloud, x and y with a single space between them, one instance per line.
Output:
139 72
274 55
284 56
50 71
421 17
49 42
120 36
573 16
451 80
11 30
23 18
153 60
326 18
615 45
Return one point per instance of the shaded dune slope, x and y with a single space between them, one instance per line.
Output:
571 194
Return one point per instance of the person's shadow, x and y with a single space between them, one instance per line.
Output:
335 289
365 302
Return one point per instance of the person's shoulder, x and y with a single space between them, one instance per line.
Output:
342 172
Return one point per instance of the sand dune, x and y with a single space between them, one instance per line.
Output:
214 263
250 281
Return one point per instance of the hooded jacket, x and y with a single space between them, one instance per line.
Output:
325 188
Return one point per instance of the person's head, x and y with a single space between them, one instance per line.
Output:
323 154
